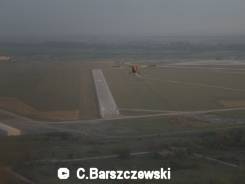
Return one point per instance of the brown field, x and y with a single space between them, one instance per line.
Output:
48 90
17 106
233 103
65 90
175 89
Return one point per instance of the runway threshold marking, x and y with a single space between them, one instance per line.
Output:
11 131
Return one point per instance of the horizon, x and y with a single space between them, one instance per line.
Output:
29 20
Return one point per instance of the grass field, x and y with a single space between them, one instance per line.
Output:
59 87
175 89
46 91
24 154
65 91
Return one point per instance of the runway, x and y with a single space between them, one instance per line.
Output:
107 104
10 131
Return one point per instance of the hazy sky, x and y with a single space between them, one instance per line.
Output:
47 18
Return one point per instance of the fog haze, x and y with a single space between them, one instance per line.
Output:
23 19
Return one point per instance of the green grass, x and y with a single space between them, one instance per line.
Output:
20 152
158 125
189 170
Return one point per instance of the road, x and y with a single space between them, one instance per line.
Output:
194 84
102 157
203 67
216 160
105 157
28 126
205 85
